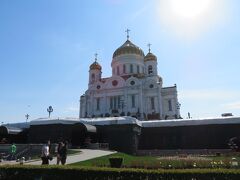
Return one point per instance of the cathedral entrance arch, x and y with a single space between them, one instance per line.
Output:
81 133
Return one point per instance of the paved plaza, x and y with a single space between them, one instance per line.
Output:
85 154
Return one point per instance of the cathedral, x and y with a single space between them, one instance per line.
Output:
134 89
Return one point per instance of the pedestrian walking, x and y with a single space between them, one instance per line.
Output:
13 150
45 154
63 152
58 148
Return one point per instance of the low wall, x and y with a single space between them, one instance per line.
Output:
5 148
34 148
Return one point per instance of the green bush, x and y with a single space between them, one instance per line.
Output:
83 173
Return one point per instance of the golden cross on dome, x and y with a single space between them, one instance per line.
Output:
96 54
149 47
127 31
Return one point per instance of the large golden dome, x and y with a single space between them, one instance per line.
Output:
95 65
150 57
128 48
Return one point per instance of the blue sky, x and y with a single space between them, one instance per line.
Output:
46 47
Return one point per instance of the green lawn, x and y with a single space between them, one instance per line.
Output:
104 162
150 162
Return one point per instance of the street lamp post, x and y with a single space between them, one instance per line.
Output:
49 110
27 116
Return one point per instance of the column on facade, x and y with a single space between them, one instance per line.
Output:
125 101
144 108
141 101
92 104
80 108
88 107
174 104
83 106
108 104
160 101
105 104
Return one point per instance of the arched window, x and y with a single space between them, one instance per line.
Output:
152 103
98 104
133 101
111 102
131 68
118 70
124 68
169 105
150 69
93 77
138 71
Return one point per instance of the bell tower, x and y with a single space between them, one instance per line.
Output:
95 71
150 61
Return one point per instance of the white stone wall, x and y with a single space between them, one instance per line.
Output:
142 92
170 94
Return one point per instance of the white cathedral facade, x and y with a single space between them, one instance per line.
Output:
134 89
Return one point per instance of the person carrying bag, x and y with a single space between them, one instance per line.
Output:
45 154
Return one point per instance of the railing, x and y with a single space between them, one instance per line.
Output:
23 152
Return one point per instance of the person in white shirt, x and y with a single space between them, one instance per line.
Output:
45 154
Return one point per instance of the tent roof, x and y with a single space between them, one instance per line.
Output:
10 130
131 120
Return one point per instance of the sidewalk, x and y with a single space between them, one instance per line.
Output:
85 154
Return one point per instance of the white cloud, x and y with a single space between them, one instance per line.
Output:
233 105
209 94
209 102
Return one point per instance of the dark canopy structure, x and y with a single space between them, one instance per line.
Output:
127 134
55 130
13 134
8 130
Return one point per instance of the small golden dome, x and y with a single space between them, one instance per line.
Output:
128 48
95 65
150 57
